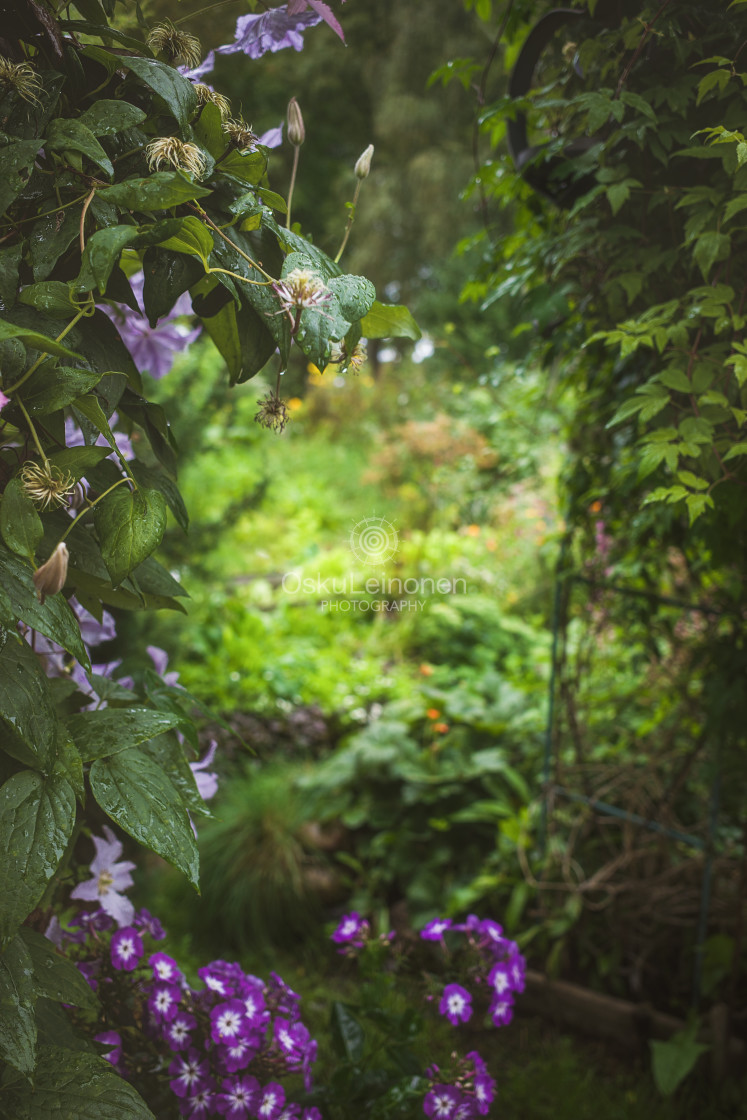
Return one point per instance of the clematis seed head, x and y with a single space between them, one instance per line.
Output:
22 78
50 577
208 96
173 152
273 413
45 485
240 133
177 46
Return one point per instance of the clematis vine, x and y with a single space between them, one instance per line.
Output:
153 349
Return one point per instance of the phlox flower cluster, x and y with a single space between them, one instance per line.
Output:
466 1094
220 1048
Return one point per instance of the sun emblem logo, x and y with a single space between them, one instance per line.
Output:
374 540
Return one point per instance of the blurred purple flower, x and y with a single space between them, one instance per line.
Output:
108 878
207 784
441 1101
4 400
160 659
273 30
111 1038
435 929
456 1004
273 138
126 948
199 72
74 438
144 920
152 348
323 10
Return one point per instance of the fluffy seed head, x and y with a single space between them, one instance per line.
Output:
173 152
273 413
22 78
206 95
240 133
178 47
45 485
301 288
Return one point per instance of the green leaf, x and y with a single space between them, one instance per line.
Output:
54 619
672 1061
194 237
224 332
355 294
386 320
52 387
51 297
37 816
10 260
20 524
249 167
177 92
27 718
56 977
130 525
16 161
709 248
735 450
105 118
35 340
76 461
17 1022
347 1033
74 1085
101 254
159 480
159 191
136 793
101 733
89 407
166 276
73 136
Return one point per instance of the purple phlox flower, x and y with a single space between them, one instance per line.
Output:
477 1061
228 1021
290 1112
188 1071
152 348
160 659
273 30
238 1097
456 1004
312 1113
273 138
199 72
323 10
164 968
89 969
74 438
467 1110
484 1092
126 948
255 1007
501 1010
207 784
499 978
201 1102
237 1054
177 1032
111 1038
351 930
517 967
492 933
285 1040
108 878
216 980
441 1102
90 922
164 1000
271 1101
282 997
145 921
435 930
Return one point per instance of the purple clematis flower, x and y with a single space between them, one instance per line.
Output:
74 438
273 30
152 348
207 784
199 72
108 878
323 11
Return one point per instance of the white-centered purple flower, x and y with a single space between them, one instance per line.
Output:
271 1101
484 1092
499 978
237 1055
126 948
228 1021
351 930
435 930
456 1004
109 877
164 1001
113 1039
501 1011
187 1071
152 349
164 968
178 1033
145 921
200 1103
238 1097
441 1102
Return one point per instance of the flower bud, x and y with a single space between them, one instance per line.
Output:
296 130
363 166
50 577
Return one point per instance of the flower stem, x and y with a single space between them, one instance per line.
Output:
228 240
90 506
351 219
45 355
296 150
32 429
